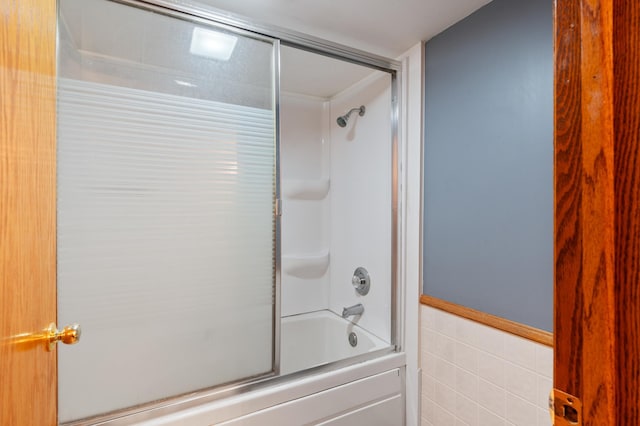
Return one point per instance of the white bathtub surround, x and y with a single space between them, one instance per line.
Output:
476 375
361 187
336 191
318 338
305 188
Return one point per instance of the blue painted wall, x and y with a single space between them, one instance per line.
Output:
488 225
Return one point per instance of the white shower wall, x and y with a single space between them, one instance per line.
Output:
304 154
336 185
361 187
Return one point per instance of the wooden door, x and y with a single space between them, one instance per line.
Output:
27 209
597 212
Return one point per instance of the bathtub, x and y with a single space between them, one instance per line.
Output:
324 381
318 338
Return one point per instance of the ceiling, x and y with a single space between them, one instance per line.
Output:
383 27
310 74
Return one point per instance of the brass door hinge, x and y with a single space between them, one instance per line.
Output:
564 409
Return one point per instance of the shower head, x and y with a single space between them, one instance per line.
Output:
342 120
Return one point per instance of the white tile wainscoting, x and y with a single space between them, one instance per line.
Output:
475 375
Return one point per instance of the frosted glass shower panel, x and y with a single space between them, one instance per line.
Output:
166 187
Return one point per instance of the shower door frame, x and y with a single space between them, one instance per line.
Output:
279 36
232 386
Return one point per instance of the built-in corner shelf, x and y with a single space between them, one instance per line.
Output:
305 189
307 265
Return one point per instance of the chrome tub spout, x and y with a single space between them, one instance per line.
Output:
353 310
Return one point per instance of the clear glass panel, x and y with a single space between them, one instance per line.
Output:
337 190
166 187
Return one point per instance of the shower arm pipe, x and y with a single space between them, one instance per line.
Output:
360 108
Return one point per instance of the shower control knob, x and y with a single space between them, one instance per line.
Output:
361 281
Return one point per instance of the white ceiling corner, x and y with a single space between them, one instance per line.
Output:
383 27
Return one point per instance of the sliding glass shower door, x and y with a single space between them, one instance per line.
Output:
167 180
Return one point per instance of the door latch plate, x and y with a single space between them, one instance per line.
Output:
565 409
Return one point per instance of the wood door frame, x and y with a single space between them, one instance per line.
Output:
597 212
28 376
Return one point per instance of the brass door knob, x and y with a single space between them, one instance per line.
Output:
49 336
70 335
